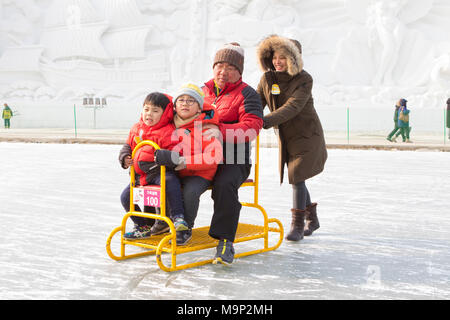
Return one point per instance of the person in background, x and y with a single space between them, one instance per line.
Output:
286 88
448 117
7 114
390 136
403 122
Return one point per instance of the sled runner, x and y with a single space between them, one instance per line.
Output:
166 243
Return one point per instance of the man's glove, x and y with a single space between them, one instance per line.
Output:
266 124
167 158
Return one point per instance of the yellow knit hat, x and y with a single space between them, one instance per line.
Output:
192 90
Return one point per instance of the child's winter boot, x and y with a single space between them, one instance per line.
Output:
139 232
297 225
312 221
159 227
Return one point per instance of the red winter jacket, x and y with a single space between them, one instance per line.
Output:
240 111
239 107
202 155
160 133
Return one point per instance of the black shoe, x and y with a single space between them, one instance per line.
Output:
159 227
224 253
183 237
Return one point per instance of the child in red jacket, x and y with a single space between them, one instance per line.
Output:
200 156
155 124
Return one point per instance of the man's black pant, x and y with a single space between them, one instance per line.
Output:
227 207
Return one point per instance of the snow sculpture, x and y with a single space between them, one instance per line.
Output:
97 50
357 50
385 26
197 43
440 71
391 45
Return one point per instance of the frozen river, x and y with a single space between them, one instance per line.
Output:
385 231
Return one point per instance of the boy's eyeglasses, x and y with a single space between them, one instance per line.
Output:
189 102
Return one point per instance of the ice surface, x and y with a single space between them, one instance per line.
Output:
385 222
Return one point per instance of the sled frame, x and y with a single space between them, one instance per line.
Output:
166 243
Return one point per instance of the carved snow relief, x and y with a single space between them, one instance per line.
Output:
370 51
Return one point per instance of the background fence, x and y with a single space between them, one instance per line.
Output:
343 121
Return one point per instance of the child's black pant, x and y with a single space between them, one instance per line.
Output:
174 199
140 221
193 188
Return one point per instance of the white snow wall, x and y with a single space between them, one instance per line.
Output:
363 55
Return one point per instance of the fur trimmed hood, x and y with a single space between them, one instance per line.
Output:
289 47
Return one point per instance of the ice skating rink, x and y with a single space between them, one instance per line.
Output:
385 230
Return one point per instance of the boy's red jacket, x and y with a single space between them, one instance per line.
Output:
202 155
160 134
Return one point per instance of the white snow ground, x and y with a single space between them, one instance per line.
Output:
385 222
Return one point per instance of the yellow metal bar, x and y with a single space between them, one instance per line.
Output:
108 243
279 230
150 216
161 247
144 215
132 184
183 266
208 261
162 200
202 241
256 181
158 255
163 177
122 256
264 213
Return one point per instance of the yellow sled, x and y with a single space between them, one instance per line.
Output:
166 243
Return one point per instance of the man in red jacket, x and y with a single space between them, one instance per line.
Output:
241 119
